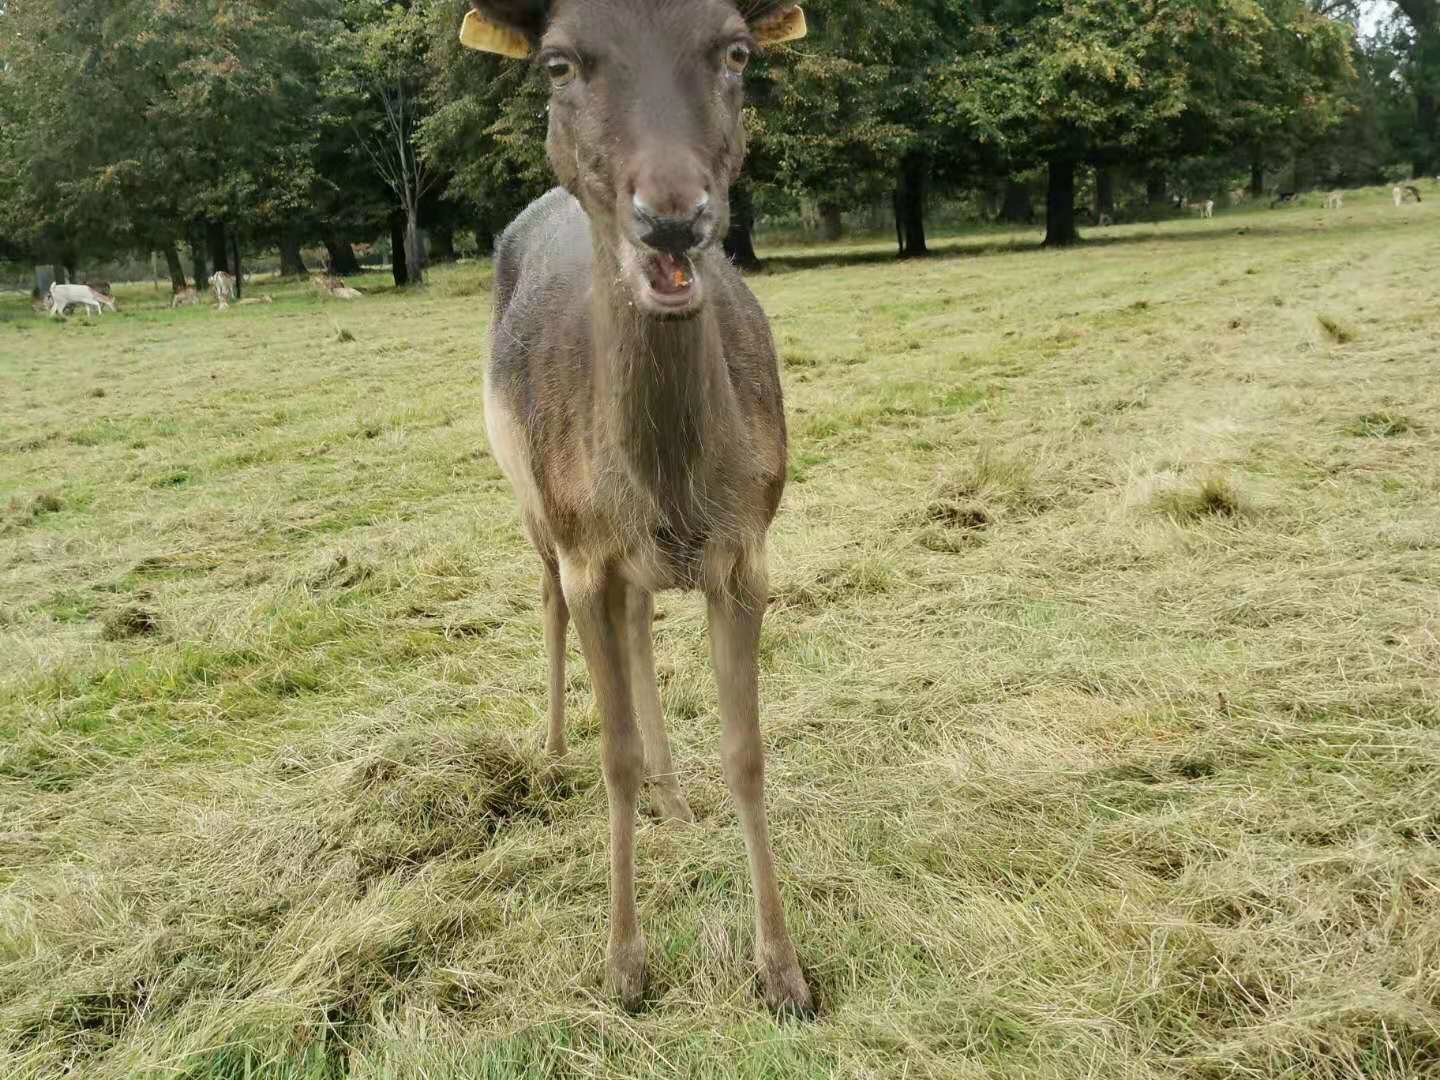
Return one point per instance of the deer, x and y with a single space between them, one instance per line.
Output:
224 286
633 401
62 296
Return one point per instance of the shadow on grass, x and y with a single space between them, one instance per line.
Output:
867 251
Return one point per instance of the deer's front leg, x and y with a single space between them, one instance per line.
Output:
666 797
735 618
596 598
557 619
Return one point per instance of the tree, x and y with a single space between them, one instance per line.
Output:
1061 82
218 123
844 118
739 241
485 128
1376 131
1283 98
1420 41
388 76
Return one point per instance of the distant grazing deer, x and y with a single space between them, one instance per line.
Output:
334 286
633 399
1335 200
1403 193
62 296
224 286
1285 198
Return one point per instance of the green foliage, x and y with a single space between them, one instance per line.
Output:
129 118
832 115
486 126
1044 80
125 122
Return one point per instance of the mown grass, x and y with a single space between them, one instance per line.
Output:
1100 684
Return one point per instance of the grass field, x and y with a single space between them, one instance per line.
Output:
1100 684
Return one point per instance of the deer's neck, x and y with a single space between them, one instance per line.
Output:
660 391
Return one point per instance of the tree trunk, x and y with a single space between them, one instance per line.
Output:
292 262
69 269
1015 207
485 238
1257 176
237 271
910 206
1302 173
172 264
442 243
341 261
414 250
832 224
215 243
1427 131
1155 187
1060 205
197 256
399 267
1104 192
739 238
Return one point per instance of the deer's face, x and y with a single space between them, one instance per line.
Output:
645 120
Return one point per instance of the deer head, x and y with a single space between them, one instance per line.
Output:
645 120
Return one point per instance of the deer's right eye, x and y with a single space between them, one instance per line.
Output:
559 70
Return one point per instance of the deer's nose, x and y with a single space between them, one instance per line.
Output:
673 234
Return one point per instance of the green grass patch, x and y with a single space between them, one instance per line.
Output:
1379 425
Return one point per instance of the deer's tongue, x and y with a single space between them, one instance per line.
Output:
668 274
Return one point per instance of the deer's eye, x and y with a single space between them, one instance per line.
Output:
559 70
736 57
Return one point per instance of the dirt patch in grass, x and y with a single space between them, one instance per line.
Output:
131 621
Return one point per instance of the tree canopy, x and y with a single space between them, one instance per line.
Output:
140 125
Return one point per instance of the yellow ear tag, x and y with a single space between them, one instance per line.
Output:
477 32
788 25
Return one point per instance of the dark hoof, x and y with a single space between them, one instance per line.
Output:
669 805
625 974
785 991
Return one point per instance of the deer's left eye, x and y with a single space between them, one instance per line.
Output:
736 57
560 70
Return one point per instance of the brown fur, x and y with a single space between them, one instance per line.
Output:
647 451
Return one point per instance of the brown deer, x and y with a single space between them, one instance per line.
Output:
633 399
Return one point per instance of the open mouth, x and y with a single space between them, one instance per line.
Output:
670 283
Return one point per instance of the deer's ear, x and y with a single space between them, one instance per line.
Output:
507 27
777 23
